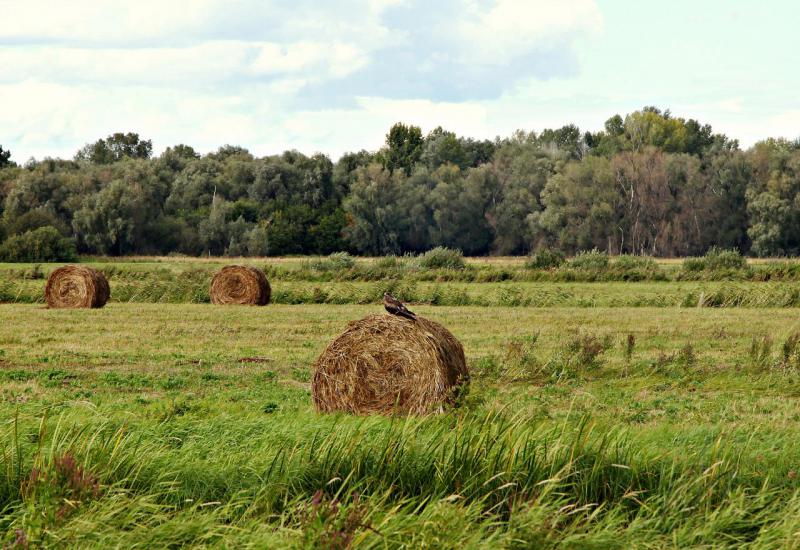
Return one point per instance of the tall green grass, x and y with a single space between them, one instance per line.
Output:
375 482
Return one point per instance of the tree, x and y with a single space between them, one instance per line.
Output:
442 147
477 152
55 186
115 148
194 188
667 203
728 174
652 127
403 148
567 139
609 142
178 157
581 208
773 198
118 219
5 158
293 178
45 244
460 206
377 210
344 172
521 168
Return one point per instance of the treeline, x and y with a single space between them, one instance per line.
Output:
649 183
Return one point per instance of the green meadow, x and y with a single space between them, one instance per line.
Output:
646 406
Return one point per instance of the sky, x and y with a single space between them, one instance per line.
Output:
333 76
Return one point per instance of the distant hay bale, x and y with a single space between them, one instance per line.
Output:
240 285
387 364
74 286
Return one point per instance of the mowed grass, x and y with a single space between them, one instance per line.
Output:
167 425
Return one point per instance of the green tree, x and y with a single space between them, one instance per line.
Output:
773 198
195 187
460 207
521 168
477 152
403 148
115 148
344 172
567 139
5 158
442 147
378 211
45 244
55 186
582 209
118 219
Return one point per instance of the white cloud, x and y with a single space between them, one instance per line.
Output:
188 66
511 28
101 22
732 105
269 74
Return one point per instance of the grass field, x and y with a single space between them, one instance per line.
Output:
589 423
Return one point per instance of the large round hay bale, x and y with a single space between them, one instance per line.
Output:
388 364
76 286
240 285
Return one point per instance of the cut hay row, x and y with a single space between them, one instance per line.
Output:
75 286
387 364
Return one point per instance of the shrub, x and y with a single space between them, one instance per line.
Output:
591 259
628 262
581 353
40 245
545 258
694 264
442 258
341 260
521 358
387 262
718 258
338 261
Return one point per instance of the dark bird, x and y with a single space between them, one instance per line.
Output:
396 307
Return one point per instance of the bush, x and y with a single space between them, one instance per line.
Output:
40 245
387 262
628 262
719 258
591 259
341 260
442 258
338 261
694 264
545 258
716 259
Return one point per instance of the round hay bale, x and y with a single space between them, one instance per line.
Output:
388 364
240 285
76 286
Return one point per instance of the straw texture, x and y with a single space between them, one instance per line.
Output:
74 286
240 285
387 364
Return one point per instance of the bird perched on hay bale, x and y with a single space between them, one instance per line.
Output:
396 307
240 285
388 364
73 286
